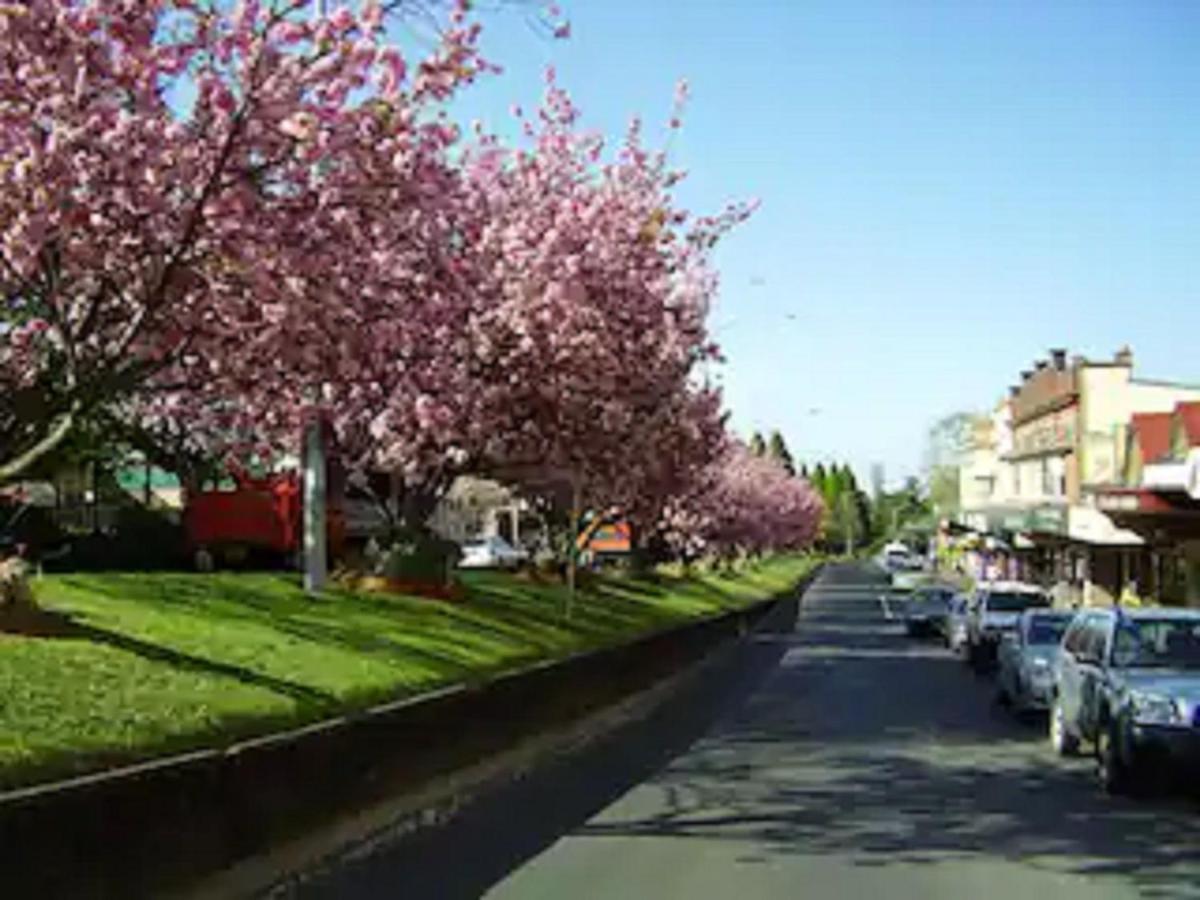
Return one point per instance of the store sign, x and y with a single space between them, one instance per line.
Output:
616 537
1047 519
1055 431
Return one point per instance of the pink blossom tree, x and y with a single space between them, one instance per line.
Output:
168 172
742 504
591 329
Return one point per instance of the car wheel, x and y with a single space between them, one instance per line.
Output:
1061 739
1003 697
1114 771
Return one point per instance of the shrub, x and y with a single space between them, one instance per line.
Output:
141 539
418 555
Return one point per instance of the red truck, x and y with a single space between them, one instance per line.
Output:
258 516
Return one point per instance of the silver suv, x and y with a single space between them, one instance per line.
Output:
1128 681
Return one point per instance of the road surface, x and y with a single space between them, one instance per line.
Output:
839 759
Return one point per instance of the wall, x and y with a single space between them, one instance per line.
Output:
1109 397
1045 389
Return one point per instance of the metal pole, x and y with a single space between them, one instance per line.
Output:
315 561
315 554
572 551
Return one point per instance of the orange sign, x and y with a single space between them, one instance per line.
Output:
616 537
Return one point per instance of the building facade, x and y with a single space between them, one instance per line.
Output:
1050 451
1158 497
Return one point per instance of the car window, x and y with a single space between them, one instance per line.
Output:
1073 641
1160 643
1004 601
1046 629
1095 639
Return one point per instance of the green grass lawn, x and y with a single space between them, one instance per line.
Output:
155 663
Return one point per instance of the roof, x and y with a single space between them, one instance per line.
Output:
1189 416
1146 612
1010 587
1153 434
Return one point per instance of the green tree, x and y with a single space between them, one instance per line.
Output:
862 510
757 445
819 478
849 482
777 450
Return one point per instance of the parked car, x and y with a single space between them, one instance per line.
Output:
994 610
1128 682
490 553
896 559
954 628
910 579
927 609
1027 658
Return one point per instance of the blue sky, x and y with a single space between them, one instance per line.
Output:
948 190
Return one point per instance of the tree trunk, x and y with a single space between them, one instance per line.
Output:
417 505
13 469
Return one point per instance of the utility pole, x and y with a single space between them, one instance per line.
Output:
316 563
573 551
316 559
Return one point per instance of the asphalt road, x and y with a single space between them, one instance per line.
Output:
837 759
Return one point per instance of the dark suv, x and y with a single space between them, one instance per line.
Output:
1128 681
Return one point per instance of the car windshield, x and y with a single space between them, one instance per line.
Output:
1047 629
1015 602
934 595
1157 643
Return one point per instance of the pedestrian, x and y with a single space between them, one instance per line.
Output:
1129 596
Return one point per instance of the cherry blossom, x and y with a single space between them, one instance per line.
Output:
743 504
166 168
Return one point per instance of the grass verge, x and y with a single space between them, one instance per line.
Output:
153 663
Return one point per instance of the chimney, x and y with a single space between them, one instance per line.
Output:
1124 357
1040 364
1059 357
1013 390
1026 375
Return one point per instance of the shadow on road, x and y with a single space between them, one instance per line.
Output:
497 834
872 746
841 739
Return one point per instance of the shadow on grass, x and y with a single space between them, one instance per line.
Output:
504 623
54 625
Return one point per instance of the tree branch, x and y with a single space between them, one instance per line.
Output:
13 469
